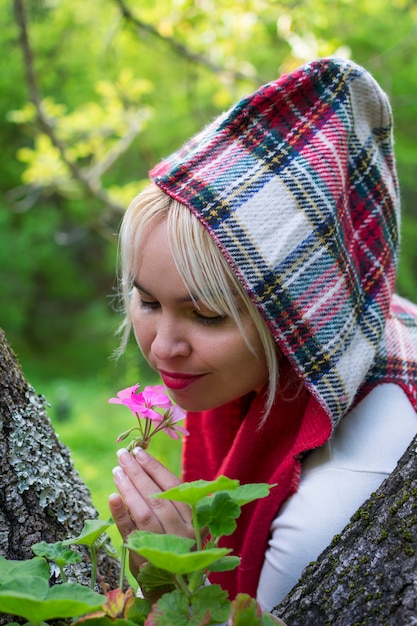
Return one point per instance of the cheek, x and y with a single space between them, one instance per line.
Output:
235 354
256 365
142 331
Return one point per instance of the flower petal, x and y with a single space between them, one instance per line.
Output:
124 395
156 396
177 414
175 431
150 414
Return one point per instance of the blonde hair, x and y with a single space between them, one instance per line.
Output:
200 263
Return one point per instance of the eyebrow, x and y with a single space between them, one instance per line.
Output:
187 298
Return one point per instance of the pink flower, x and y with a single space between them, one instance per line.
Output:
144 403
172 428
127 397
154 412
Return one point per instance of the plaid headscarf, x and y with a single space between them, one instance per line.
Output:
297 186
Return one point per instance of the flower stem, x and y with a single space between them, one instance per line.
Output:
63 575
93 555
196 527
195 579
183 585
122 566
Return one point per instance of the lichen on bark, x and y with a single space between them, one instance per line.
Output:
42 497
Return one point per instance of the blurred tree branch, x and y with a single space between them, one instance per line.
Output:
183 51
89 180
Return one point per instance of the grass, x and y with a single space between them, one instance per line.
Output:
89 426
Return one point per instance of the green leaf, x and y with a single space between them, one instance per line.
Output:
245 611
151 577
91 531
219 514
137 615
32 598
172 553
107 621
250 492
171 543
172 609
209 605
36 567
139 611
225 564
183 563
194 491
56 552
271 620
214 599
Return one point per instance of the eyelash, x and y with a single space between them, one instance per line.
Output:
205 320
216 320
144 304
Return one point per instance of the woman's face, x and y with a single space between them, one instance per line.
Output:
201 357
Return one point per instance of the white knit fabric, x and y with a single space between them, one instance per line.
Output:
336 479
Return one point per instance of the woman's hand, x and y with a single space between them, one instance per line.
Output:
136 478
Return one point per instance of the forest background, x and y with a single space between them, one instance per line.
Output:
95 93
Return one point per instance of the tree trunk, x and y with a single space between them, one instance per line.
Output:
368 575
42 497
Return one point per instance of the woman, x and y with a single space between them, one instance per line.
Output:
258 272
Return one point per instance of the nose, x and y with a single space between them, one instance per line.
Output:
170 340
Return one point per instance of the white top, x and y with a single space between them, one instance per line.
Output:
335 480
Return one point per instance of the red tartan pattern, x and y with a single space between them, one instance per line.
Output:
297 185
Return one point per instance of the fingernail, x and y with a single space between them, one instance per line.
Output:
140 453
118 472
123 455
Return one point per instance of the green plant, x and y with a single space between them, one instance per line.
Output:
178 569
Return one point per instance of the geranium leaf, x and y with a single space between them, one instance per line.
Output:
57 552
245 611
250 492
225 564
151 577
172 553
213 599
10 569
136 616
91 531
32 598
107 621
271 620
139 611
183 563
172 609
171 543
219 514
194 491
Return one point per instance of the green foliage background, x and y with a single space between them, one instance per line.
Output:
101 92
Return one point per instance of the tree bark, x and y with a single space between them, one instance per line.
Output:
368 575
42 497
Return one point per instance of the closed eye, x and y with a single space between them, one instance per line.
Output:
148 305
209 320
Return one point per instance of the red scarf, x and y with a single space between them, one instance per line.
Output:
228 441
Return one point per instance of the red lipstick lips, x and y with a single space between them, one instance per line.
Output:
176 381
